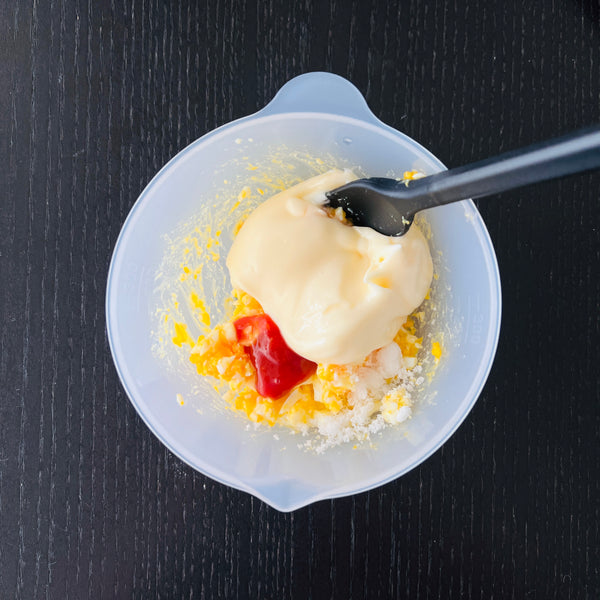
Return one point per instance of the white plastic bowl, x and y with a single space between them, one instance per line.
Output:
327 115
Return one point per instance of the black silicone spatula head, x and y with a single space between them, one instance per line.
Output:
376 202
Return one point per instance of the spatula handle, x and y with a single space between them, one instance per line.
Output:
579 151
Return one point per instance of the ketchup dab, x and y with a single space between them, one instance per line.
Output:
278 368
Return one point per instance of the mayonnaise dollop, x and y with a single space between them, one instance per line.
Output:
336 292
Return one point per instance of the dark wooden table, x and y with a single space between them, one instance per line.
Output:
95 97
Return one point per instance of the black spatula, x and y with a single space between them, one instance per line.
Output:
389 206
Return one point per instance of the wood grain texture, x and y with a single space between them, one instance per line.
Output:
95 98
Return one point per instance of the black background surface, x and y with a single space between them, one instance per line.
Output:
95 97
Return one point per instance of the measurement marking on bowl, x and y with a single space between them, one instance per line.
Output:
476 320
133 272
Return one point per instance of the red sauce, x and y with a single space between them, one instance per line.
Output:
278 367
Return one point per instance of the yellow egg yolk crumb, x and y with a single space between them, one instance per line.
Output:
182 336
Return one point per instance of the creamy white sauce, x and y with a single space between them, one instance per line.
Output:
336 292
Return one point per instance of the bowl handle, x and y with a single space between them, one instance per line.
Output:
323 93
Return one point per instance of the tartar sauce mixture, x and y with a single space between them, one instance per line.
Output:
323 332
